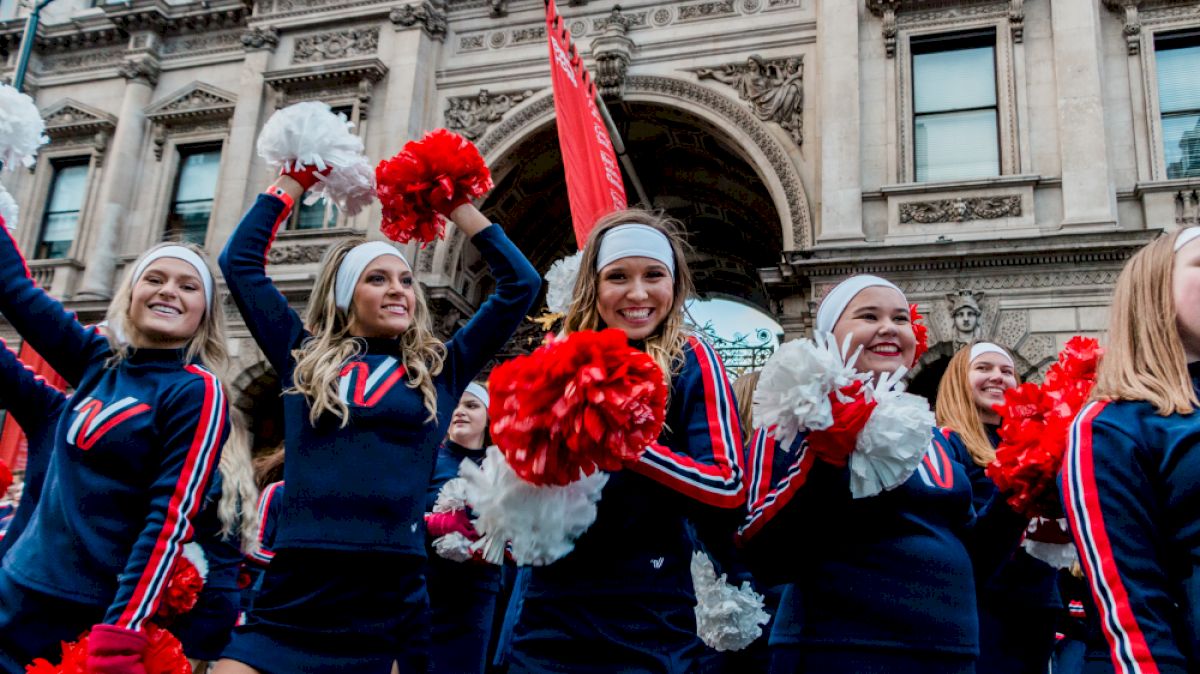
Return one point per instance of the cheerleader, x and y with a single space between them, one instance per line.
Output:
36 406
462 595
131 461
1131 474
622 600
369 393
876 584
1019 606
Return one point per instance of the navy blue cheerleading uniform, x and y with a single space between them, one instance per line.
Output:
36 406
1131 488
884 583
270 505
132 458
623 600
346 588
462 595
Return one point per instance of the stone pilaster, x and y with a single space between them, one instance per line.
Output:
838 103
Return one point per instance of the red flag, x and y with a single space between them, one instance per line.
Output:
594 184
12 441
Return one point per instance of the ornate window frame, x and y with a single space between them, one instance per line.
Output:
170 167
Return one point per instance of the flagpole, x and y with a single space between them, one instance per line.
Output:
619 148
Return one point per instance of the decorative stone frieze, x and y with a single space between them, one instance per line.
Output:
298 254
712 9
143 70
422 14
961 209
472 115
898 13
260 37
336 44
773 88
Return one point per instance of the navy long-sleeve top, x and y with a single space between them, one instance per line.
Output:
36 406
362 487
132 458
639 543
481 577
1131 489
886 572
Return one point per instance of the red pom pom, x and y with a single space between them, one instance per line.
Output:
6 478
183 589
74 660
585 402
1034 432
834 444
424 182
920 331
164 654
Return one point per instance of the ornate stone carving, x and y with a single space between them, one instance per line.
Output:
301 254
966 316
337 44
431 21
630 20
260 37
960 209
498 7
191 44
612 52
707 10
661 16
142 70
1016 19
70 122
471 115
530 34
195 105
895 13
471 42
774 89
886 9
91 59
1128 9
1187 207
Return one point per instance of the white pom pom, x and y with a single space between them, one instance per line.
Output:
453 546
793 391
1058 555
540 523
8 209
728 618
893 441
351 187
561 283
22 130
308 134
195 554
452 496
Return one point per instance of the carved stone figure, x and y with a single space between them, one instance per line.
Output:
967 315
774 89
472 116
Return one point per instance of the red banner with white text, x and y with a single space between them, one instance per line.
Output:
13 445
594 184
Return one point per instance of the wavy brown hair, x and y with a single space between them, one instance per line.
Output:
1144 357
956 408
320 358
667 343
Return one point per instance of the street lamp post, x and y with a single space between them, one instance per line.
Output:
26 48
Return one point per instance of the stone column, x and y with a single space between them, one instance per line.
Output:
838 105
117 183
1088 193
240 180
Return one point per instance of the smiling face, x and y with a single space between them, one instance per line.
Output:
990 375
167 304
384 299
635 295
468 422
878 320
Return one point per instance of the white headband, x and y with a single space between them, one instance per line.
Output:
1185 237
634 240
179 253
479 392
836 300
352 267
987 347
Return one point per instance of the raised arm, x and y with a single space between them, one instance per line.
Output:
275 326
706 465
193 430
1110 493
41 320
25 395
517 286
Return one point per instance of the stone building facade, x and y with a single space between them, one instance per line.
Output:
798 140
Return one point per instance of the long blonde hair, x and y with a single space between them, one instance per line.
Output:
320 359
238 507
956 408
206 346
1144 358
667 344
743 393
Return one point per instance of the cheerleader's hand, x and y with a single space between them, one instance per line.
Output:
306 175
116 650
455 521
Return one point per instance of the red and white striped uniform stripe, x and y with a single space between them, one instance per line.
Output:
264 555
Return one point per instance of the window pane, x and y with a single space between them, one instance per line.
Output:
189 222
62 211
1179 79
954 80
956 146
67 193
198 176
313 216
1181 143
